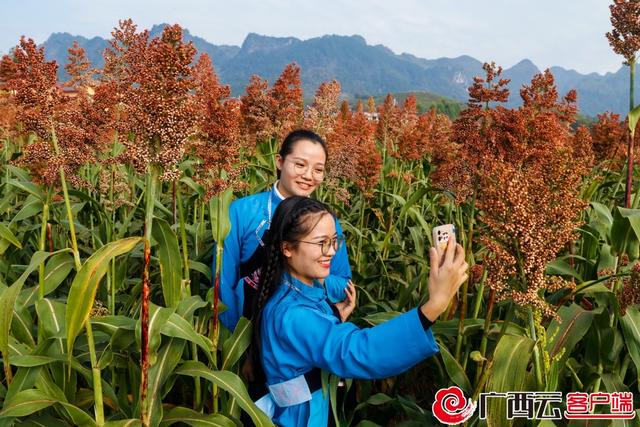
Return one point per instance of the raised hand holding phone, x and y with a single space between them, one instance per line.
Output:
448 271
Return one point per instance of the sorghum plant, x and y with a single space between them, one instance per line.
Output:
624 39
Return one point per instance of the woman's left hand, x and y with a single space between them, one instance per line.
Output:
346 306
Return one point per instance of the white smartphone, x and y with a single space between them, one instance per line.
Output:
441 235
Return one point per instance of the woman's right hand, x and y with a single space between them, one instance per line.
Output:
346 306
445 278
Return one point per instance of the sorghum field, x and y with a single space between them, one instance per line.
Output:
115 184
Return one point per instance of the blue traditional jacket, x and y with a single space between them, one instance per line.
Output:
299 332
250 217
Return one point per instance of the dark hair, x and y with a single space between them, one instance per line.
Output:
288 225
298 135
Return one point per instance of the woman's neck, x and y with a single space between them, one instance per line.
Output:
280 191
303 279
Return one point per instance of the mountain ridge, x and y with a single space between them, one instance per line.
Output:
364 69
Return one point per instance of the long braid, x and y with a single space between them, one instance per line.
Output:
268 282
271 273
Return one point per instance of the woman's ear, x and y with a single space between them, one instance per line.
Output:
279 161
286 250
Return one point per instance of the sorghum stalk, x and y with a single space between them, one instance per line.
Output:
484 370
50 237
216 290
627 200
202 227
485 332
111 276
173 201
97 382
6 159
360 227
97 378
195 221
612 201
536 351
67 203
43 239
479 296
151 180
197 398
465 286
596 385
183 237
632 73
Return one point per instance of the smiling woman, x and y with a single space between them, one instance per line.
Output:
301 167
297 333
301 164
315 256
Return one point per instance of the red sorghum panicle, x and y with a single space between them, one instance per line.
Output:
629 294
624 38
477 270
354 156
8 119
218 143
609 138
114 180
323 114
272 112
154 84
287 105
254 108
371 105
526 168
32 81
422 137
388 121
42 108
79 68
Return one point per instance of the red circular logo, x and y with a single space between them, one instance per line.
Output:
451 407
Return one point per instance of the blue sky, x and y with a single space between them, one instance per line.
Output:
567 33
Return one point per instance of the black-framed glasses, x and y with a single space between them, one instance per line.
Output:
327 243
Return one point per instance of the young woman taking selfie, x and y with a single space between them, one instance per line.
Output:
298 333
